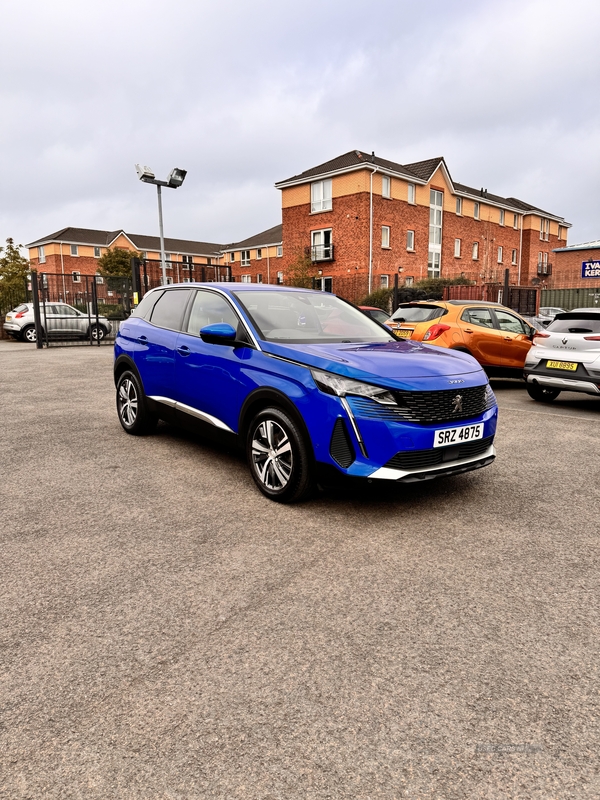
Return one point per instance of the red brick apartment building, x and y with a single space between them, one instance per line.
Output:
361 214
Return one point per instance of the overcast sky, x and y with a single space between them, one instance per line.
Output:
243 93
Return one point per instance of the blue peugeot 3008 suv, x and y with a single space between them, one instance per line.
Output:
307 383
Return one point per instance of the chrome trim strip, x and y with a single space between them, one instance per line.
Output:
193 412
564 383
359 438
386 473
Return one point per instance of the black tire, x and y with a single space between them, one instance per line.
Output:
543 394
279 458
132 406
28 334
98 333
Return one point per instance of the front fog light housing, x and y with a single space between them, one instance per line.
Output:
336 385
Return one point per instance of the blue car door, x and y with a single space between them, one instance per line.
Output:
210 377
155 359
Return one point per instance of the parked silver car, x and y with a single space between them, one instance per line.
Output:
565 356
59 319
547 313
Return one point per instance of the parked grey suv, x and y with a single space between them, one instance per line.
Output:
61 321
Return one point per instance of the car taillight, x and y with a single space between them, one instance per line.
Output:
434 332
540 336
20 314
592 338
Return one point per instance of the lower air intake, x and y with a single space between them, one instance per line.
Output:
341 448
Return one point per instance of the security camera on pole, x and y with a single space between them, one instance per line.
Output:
175 179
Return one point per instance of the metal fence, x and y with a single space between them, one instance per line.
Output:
570 298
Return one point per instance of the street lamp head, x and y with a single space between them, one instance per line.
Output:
176 177
145 174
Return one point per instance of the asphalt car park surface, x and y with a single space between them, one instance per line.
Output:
167 632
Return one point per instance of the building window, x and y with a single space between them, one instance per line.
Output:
459 206
410 240
76 277
320 196
209 262
544 229
245 258
457 243
384 281
231 257
74 250
411 193
169 264
143 255
500 254
97 252
187 261
409 280
258 254
475 210
501 216
279 251
385 236
515 221
246 279
42 255
259 277
280 278
321 247
475 251
433 264
385 186
513 259
99 278
434 260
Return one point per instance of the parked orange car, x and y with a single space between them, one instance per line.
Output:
496 336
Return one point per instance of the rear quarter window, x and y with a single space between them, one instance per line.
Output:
578 323
418 313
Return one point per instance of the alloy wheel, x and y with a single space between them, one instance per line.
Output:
128 402
272 455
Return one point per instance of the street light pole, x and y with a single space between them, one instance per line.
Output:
175 179
163 257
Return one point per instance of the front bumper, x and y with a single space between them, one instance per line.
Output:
450 468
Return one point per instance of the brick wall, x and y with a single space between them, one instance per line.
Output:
490 236
566 271
53 264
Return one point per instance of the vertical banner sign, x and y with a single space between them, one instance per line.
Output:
590 269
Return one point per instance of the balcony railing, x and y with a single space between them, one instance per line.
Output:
321 252
544 269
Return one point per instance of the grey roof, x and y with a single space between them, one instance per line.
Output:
583 246
104 238
273 235
425 169
354 158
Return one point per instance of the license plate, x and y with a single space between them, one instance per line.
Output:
562 365
403 333
466 433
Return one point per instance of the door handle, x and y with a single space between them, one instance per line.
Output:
468 330
183 350
508 338
142 339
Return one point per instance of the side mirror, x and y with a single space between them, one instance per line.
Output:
219 333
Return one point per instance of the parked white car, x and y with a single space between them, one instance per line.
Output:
62 321
565 356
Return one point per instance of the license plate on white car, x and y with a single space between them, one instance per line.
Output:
466 433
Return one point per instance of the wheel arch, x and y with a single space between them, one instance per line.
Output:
263 398
124 363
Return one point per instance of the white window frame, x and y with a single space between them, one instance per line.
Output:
97 252
321 196
259 277
384 281
409 280
245 258
544 229
457 246
475 251
41 255
385 237
500 254
169 260
99 279
75 250
258 253
410 241
476 210
246 279
279 250
502 217
280 278
231 258
459 206
386 186
76 276
412 193
516 222
514 255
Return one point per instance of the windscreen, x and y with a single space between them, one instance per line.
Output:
576 323
310 317
417 313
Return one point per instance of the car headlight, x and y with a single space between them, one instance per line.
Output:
335 384
490 398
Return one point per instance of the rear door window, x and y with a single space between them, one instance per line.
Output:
169 309
509 323
146 305
478 316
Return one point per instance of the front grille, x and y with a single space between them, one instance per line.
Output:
341 448
421 459
427 407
